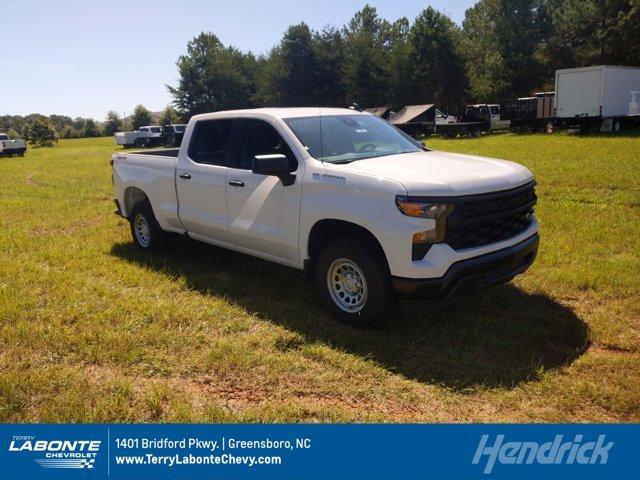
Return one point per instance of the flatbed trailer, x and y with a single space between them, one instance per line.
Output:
460 129
530 114
446 130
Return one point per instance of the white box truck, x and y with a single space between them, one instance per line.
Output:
603 97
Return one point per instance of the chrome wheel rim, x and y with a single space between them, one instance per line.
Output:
141 229
347 285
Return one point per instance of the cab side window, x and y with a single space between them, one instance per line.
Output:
210 142
260 138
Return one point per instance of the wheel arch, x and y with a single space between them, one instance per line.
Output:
131 196
326 231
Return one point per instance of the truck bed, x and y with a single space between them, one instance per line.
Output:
165 152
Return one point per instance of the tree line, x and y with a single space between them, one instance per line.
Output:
46 130
503 49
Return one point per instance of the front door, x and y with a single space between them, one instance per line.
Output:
263 214
201 181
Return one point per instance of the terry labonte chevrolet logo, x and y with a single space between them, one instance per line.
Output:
57 453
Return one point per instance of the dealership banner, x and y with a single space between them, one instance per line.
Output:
350 451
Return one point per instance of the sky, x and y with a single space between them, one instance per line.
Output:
84 58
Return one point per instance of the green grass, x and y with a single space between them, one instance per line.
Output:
93 331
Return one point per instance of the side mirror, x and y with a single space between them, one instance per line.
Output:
275 164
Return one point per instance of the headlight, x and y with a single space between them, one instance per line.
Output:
422 241
422 209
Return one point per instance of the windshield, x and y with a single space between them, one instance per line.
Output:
156 129
345 138
179 128
4 137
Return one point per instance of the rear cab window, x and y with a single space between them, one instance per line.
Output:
210 141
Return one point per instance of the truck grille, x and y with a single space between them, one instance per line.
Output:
487 218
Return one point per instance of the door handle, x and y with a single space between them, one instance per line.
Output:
186 176
236 183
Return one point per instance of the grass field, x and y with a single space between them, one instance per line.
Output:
93 331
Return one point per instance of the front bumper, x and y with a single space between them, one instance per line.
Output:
472 274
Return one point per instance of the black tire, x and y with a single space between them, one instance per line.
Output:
156 238
379 302
549 127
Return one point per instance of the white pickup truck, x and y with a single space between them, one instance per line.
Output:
343 195
9 147
147 136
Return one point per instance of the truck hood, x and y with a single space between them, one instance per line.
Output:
434 173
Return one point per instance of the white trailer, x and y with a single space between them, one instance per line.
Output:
602 97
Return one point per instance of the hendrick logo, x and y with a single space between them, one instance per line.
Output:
58 453
555 452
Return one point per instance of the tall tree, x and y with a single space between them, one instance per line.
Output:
169 116
213 77
141 117
593 32
41 133
366 74
401 85
501 38
297 87
290 70
90 128
328 45
112 124
438 70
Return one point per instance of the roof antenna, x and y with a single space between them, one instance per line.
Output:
320 127
355 106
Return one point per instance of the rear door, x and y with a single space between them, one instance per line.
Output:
201 180
264 215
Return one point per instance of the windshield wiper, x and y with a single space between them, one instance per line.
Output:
343 162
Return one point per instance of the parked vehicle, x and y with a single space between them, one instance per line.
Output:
424 120
415 120
355 203
601 98
443 118
9 147
173 134
147 136
488 113
530 114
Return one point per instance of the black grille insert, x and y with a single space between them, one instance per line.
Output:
478 220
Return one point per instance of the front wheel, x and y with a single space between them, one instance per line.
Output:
354 283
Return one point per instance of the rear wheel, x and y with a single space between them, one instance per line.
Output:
549 127
354 283
145 230
616 126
